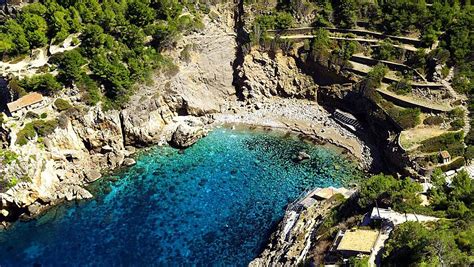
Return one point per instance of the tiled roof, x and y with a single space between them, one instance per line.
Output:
445 154
25 101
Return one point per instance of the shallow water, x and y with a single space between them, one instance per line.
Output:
216 203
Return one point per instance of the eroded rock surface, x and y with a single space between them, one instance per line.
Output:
187 133
266 75
290 243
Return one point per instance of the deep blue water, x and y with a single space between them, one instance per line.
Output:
215 203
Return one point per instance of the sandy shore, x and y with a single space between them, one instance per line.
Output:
300 116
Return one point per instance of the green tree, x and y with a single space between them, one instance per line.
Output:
17 34
140 13
45 83
167 9
35 28
375 188
345 12
112 73
69 65
463 187
320 45
59 25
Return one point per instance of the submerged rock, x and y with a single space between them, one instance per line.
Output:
303 156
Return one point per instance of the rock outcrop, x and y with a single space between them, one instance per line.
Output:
267 74
187 133
290 243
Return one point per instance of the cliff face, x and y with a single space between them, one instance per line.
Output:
274 74
290 243
90 140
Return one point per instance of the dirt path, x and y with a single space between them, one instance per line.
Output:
38 58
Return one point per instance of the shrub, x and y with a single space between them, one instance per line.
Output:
40 127
469 154
8 156
386 51
43 128
457 124
433 120
13 181
279 20
457 112
44 115
31 115
25 134
406 118
61 104
91 94
448 141
402 87
456 164
45 83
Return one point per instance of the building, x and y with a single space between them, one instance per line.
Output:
320 194
445 157
26 102
356 241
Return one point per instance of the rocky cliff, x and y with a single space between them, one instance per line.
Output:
267 74
89 140
290 243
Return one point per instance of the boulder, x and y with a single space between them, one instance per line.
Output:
4 213
82 193
130 150
186 135
303 156
129 162
92 175
35 209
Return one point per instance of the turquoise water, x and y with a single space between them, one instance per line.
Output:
215 203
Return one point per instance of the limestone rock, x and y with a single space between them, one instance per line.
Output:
186 135
92 175
129 162
130 150
35 209
82 193
143 123
98 129
265 76
302 156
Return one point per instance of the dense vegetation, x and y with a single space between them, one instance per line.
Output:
120 42
452 142
449 241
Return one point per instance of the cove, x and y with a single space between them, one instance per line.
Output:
212 204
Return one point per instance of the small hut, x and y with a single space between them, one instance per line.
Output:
445 157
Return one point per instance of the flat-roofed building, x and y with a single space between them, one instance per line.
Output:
357 241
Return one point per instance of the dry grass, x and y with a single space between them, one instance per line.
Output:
412 138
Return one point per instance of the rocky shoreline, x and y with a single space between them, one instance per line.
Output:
299 116
178 108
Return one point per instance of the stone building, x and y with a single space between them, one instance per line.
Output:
29 101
